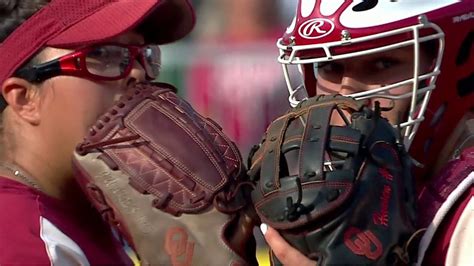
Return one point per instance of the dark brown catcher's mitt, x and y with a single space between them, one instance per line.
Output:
168 180
339 194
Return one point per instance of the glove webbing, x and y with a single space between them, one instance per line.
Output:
312 146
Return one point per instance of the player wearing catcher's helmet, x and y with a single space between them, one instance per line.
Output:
415 59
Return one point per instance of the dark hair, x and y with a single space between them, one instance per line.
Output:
12 14
15 12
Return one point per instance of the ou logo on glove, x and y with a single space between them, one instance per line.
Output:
178 247
360 243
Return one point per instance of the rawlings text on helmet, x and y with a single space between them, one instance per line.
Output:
316 28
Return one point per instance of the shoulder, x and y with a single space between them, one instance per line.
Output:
19 206
38 229
29 236
461 239
448 236
20 239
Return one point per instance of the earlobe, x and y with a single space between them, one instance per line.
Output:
22 98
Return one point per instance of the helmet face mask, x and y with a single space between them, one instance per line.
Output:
320 37
421 81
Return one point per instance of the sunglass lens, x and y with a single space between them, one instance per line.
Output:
152 56
108 61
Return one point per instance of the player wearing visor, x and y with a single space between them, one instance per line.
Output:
63 64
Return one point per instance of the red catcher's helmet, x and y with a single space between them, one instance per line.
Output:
328 30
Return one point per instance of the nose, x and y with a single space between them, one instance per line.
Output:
338 120
137 74
350 85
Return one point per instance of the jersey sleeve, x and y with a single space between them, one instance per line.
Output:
460 251
449 238
27 238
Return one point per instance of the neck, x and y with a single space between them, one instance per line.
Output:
59 188
41 157
52 174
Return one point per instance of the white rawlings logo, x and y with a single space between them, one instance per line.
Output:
316 28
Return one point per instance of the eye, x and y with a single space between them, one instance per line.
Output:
385 63
98 52
331 67
108 53
124 63
98 57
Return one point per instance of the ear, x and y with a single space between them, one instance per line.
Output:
23 99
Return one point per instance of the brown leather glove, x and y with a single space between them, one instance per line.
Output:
169 180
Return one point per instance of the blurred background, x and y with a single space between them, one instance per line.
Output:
228 70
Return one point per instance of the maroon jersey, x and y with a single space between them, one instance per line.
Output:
447 212
37 229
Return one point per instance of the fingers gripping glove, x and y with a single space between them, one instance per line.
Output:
339 194
168 179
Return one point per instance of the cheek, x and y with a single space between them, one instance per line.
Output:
398 113
72 105
324 86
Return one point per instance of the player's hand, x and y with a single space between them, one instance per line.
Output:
282 250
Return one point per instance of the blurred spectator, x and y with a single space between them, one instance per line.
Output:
238 21
233 76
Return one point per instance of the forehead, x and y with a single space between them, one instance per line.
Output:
50 53
130 37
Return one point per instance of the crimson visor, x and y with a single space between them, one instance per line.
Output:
73 23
